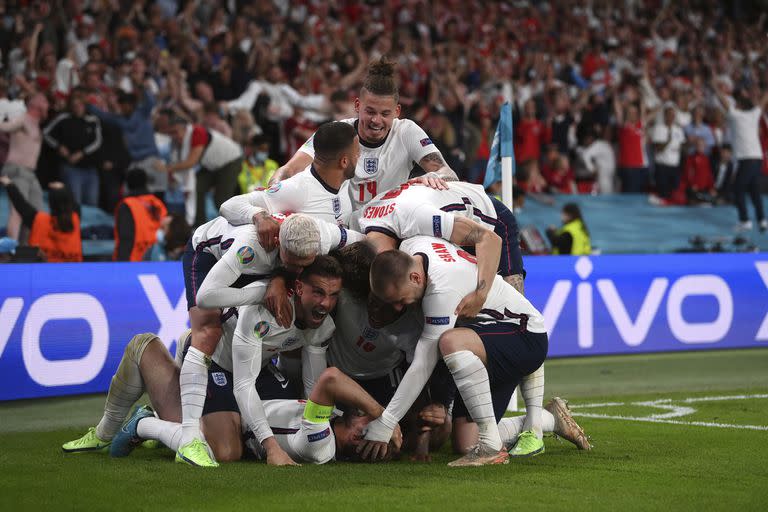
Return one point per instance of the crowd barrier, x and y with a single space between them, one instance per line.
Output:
63 327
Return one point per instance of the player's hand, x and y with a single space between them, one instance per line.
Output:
433 416
268 230
373 450
431 181
276 456
470 306
277 302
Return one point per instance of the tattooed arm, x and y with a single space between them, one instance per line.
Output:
434 163
487 246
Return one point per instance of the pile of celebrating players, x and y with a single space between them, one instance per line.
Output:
349 312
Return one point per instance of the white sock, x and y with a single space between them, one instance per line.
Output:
471 379
193 382
532 390
126 387
510 428
166 432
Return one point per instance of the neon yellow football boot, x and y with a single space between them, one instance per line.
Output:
527 445
88 443
195 453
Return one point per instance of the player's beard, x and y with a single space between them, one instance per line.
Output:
349 170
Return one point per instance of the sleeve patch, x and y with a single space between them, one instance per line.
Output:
319 435
245 255
425 142
261 329
437 320
437 226
274 188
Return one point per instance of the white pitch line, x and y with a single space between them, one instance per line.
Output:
671 422
719 398
590 406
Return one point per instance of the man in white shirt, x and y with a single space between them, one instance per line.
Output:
389 146
744 124
507 343
599 159
668 139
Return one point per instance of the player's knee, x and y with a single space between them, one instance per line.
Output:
450 342
138 344
228 450
330 374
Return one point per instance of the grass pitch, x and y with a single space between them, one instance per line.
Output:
664 438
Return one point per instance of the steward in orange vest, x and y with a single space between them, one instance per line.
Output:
57 234
137 219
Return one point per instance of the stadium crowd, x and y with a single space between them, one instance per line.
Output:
638 96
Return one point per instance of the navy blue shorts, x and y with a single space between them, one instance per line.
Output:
220 395
383 388
512 353
197 263
511 261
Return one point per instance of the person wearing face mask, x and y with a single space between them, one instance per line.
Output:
258 168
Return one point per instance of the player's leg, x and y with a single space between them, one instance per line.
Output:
126 387
465 356
206 332
532 390
511 261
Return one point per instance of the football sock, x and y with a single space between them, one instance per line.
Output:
510 428
193 382
471 379
166 432
126 387
532 390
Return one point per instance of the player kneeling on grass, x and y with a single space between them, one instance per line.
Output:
507 342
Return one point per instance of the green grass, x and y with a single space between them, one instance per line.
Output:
634 466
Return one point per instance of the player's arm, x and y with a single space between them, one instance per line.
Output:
487 244
434 163
313 363
333 387
246 366
298 162
242 209
217 291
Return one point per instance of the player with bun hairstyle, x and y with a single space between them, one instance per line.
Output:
389 146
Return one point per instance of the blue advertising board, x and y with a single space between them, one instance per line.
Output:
63 327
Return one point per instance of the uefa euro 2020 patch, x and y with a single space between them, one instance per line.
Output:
425 142
274 188
245 255
261 329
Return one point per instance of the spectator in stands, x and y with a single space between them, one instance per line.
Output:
135 122
529 134
573 237
668 139
700 130
744 122
137 219
258 168
76 138
562 124
698 179
172 237
633 164
23 152
599 160
220 159
57 234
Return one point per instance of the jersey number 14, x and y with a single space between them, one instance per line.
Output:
370 188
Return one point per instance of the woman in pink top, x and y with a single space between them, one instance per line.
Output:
23 151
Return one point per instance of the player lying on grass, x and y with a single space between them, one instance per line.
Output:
370 343
218 260
462 214
306 430
488 358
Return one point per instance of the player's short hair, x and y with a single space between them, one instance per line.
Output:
332 139
380 79
300 235
389 268
323 266
355 260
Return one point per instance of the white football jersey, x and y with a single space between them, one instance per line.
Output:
304 192
304 440
217 236
385 165
413 209
365 352
452 274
